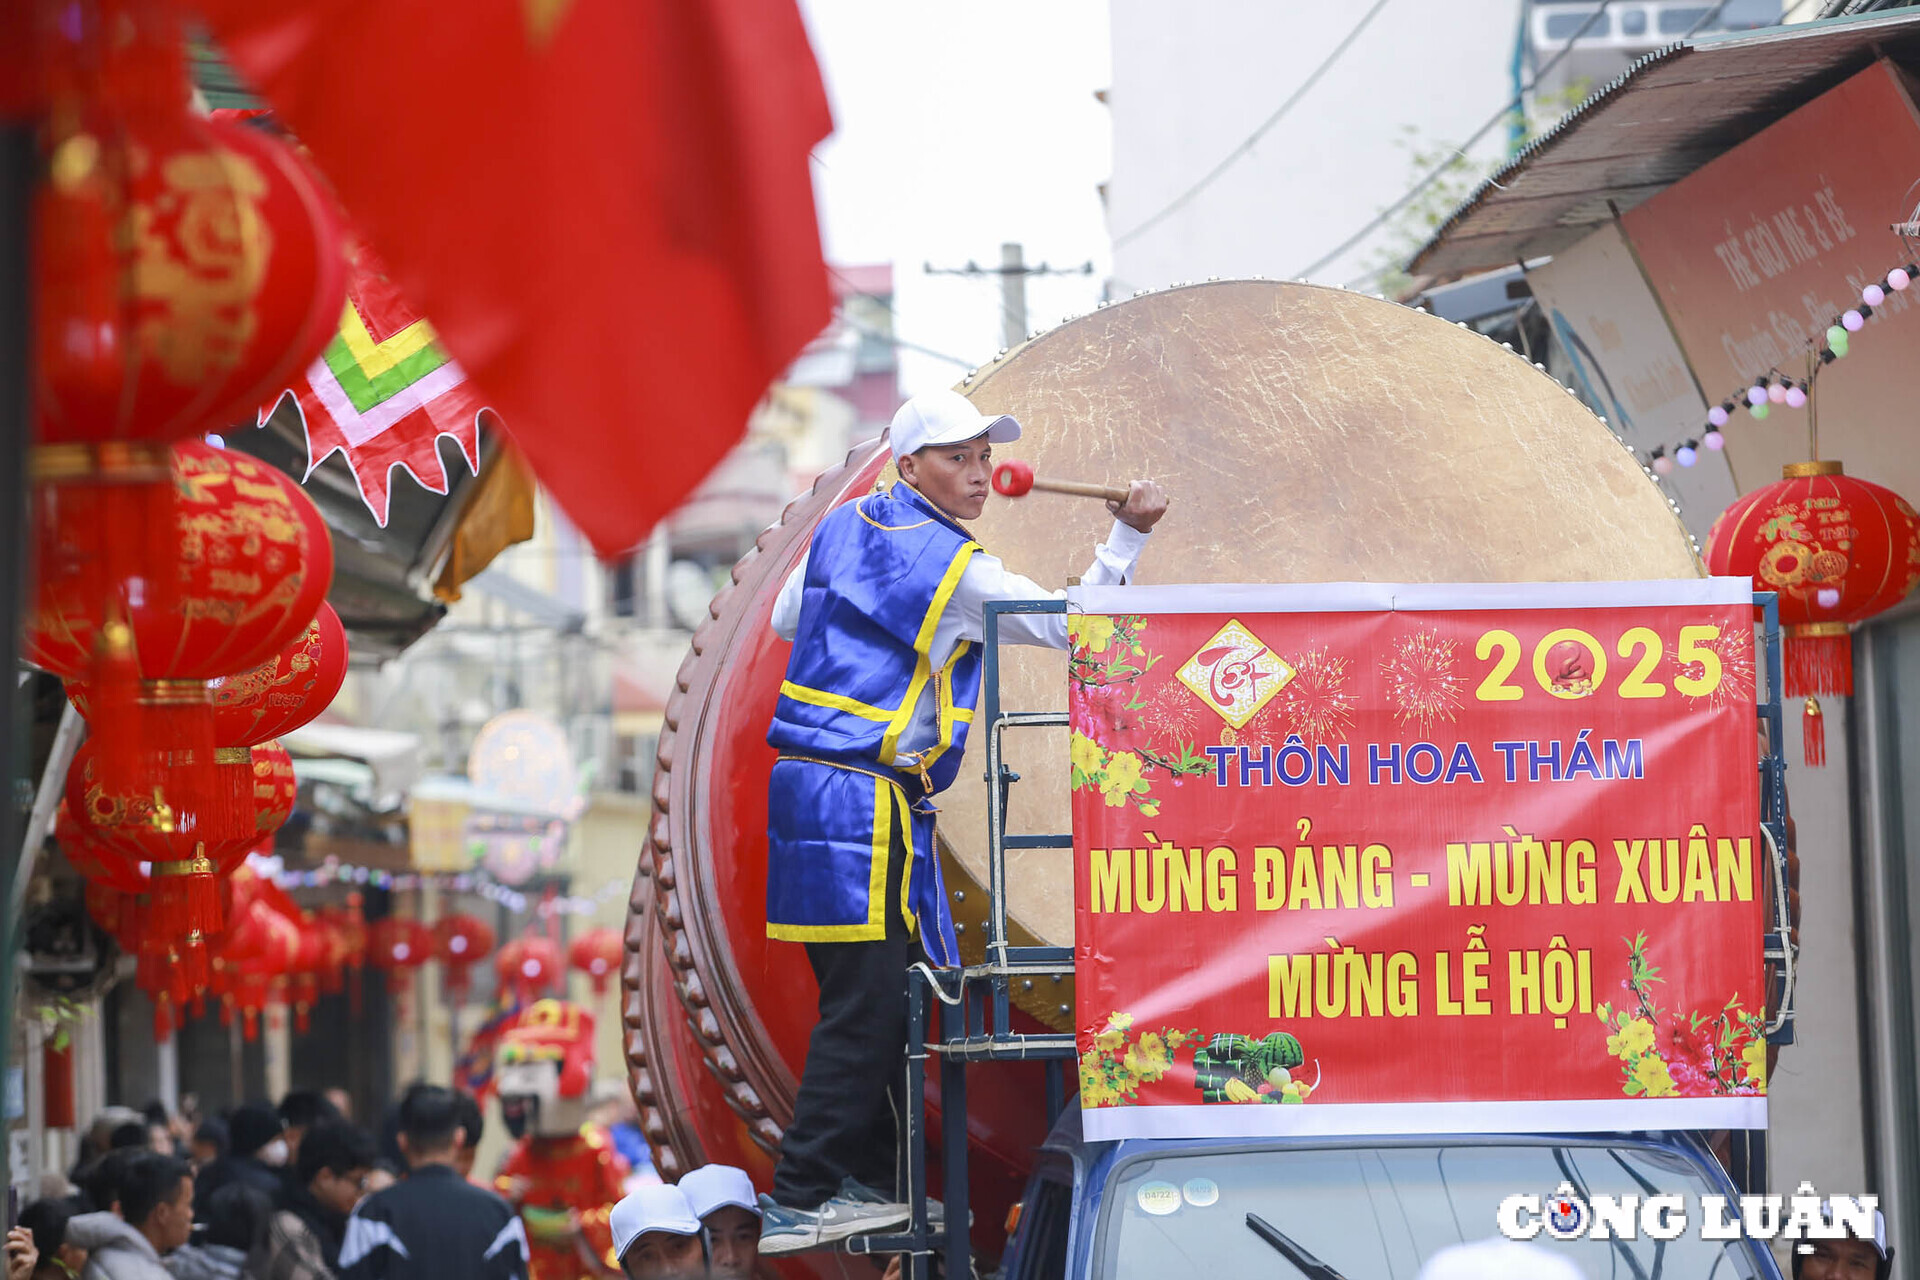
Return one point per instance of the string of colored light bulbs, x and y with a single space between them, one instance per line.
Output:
1775 388
473 882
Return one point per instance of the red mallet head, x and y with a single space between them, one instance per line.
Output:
1013 479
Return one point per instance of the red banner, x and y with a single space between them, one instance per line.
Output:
1377 859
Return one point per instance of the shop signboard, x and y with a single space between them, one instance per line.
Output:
1755 254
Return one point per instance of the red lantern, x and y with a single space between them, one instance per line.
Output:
350 926
241 890
116 912
309 962
530 965
275 790
160 970
262 949
399 946
347 930
88 855
187 847
56 1075
139 825
461 941
1837 550
286 691
597 953
185 268
250 565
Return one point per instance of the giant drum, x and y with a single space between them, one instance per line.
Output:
1305 435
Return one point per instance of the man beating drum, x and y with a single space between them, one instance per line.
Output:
886 612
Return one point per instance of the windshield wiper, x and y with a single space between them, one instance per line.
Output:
1310 1266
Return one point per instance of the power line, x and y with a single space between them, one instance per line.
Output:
901 343
1706 18
1434 175
1253 138
1013 272
887 335
841 314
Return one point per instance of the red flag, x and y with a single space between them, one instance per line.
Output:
604 205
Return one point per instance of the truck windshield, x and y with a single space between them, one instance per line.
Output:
1378 1213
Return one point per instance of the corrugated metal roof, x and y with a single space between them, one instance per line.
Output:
1658 121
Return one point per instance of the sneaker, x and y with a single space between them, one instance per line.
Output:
861 1193
785 1230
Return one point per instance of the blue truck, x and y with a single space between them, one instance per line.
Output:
1347 1209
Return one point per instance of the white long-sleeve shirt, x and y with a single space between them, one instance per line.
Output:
986 578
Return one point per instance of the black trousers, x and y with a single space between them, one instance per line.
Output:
846 1117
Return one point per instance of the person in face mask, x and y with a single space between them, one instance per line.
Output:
563 1176
257 1152
299 1111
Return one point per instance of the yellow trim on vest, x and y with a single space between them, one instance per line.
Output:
826 932
835 701
861 507
906 874
922 646
947 713
877 869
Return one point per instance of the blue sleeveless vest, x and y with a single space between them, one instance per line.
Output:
866 726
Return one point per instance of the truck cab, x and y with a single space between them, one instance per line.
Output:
1360 1208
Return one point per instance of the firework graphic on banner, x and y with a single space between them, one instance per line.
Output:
1317 703
1424 682
1737 671
1171 711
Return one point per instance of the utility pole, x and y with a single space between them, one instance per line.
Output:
1013 295
1013 272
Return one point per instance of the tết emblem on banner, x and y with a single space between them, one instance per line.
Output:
1236 674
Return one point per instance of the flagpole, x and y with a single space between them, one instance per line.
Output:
16 260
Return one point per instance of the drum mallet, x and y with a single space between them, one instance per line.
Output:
1016 479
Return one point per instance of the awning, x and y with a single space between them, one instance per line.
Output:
1665 116
394 757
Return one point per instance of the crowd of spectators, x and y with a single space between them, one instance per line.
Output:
298 1191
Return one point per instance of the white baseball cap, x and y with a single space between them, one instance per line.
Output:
656 1207
1878 1241
718 1186
945 417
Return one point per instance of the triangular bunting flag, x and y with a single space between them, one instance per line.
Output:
384 392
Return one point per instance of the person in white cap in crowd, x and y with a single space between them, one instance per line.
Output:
656 1235
1498 1259
722 1198
1848 1258
886 612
